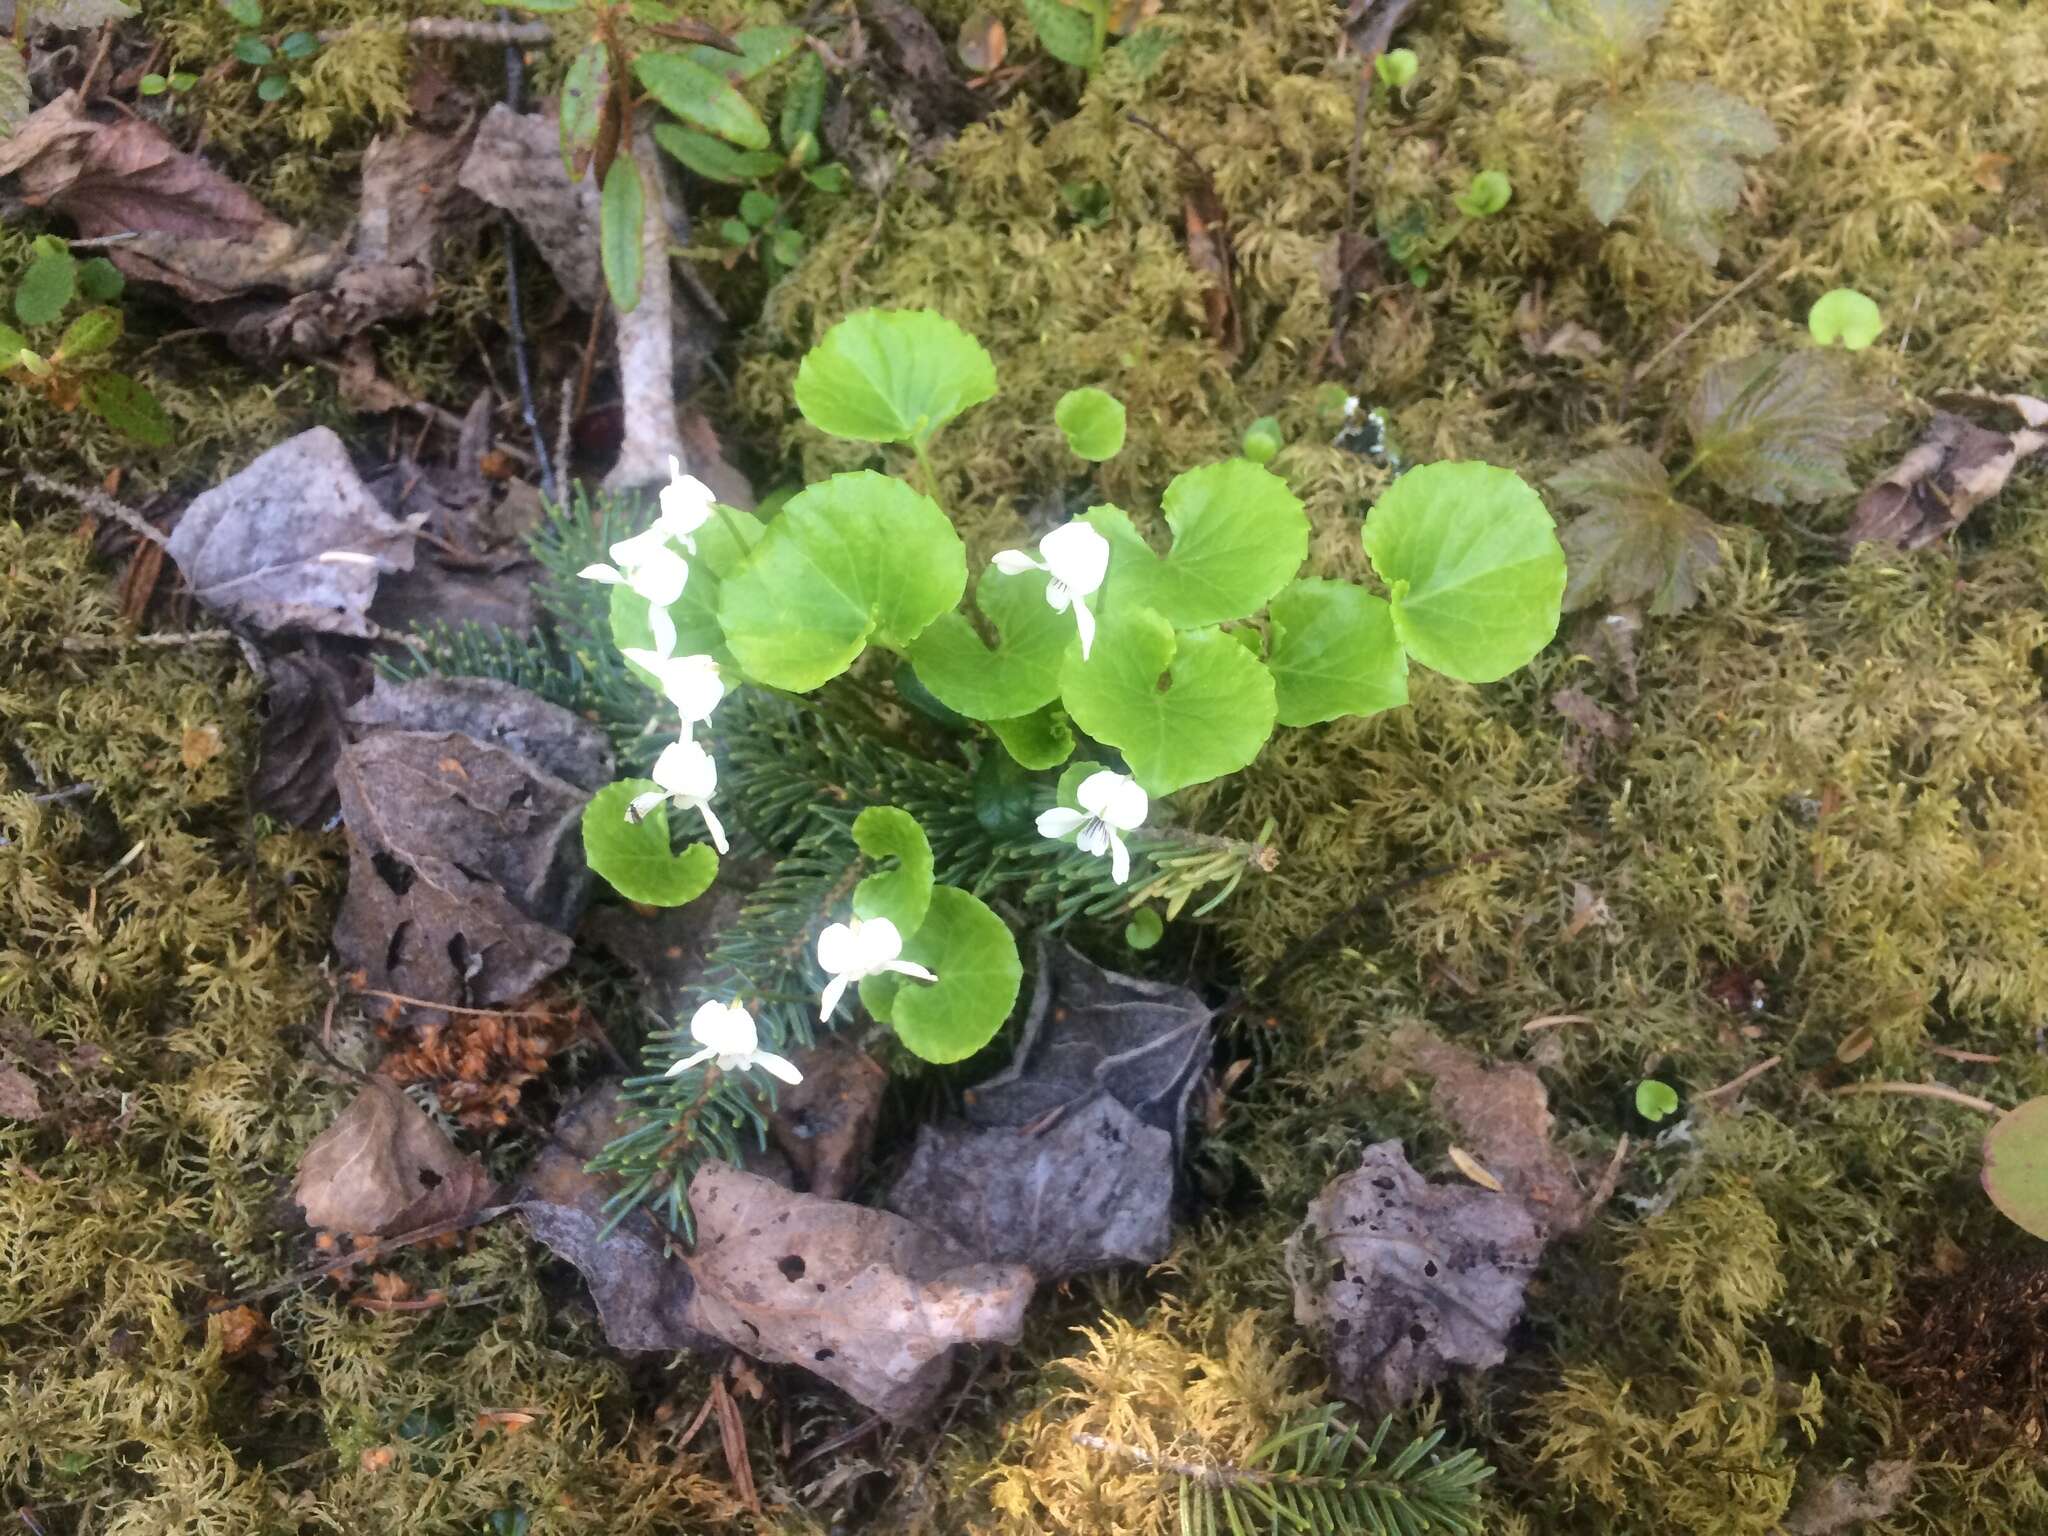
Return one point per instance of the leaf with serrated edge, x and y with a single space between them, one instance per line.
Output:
621 214
1778 428
585 89
971 952
1672 146
1239 535
857 557
1211 718
1021 673
892 376
701 96
1472 562
1636 540
1582 39
1334 653
635 857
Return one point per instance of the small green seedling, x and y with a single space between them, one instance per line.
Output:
1396 67
1655 1100
268 58
1486 195
179 81
1145 929
1093 423
73 371
1262 440
1843 315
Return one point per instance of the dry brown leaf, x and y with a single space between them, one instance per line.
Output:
983 43
1954 469
1503 1114
826 1123
384 1167
1988 171
867 1300
18 1097
1403 1279
1540 339
242 1330
1472 1169
510 1420
1126 16
200 745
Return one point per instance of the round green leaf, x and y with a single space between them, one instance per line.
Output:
49 284
856 558
1145 928
1473 563
252 50
892 376
621 213
787 246
1239 534
970 950
829 178
901 894
99 280
735 232
635 857
1093 422
183 81
1487 194
248 12
90 334
128 407
272 88
2016 1166
702 96
1262 440
1334 653
1655 1100
152 85
1210 717
757 207
1844 315
714 159
299 45
1041 739
722 544
1396 67
1022 672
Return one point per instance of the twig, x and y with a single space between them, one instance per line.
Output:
442 417
68 792
1939 1091
478 1013
1984 1058
732 1437
1604 1190
1737 1084
1193 1471
1707 314
454 29
98 503
515 311
166 638
1552 1020
370 1254
838 1442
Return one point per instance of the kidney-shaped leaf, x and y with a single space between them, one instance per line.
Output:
1092 421
1210 718
1021 674
635 857
722 544
857 557
1474 565
1334 653
1039 740
970 950
2016 1166
892 376
902 894
701 96
1239 534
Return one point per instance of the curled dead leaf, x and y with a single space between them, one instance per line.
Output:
983 43
384 1167
1955 468
1470 1166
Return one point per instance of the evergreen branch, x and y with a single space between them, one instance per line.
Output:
1334 1483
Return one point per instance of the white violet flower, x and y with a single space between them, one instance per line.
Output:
689 777
1111 805
649 562
861 948
691 683
1077 558
729 1039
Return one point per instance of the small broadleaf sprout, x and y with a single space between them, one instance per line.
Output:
1844 317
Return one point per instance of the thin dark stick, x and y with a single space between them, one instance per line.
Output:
838 1442
99 503
515 309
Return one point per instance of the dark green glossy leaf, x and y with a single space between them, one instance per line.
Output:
621 216
714 159
701 96
272 88
803 102
586 88
49 284
99 280
252 50
128 407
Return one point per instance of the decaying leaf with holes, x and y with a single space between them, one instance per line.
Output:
1065 1160
465 859
1403 1280
872 1303
384 1167
292 542
1953 470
